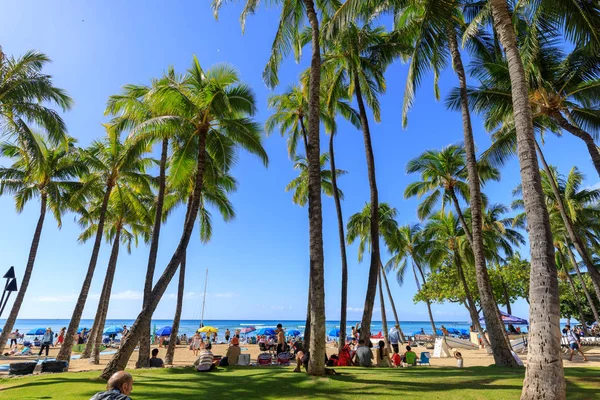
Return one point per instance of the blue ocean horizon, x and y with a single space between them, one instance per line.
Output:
189 326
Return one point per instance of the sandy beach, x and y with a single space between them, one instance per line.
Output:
184 357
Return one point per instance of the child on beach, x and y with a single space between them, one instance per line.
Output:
459 359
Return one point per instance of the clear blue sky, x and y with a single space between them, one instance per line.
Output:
259 262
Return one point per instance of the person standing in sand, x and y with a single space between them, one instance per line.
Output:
195 346
280 339
47 341
227 335
61 337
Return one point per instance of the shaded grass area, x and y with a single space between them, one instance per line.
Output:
282 383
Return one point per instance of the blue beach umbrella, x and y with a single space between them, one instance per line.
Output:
334 332
465 332
453 331
164 331
415 333
113 330
37 331
439 332
266 331
293 332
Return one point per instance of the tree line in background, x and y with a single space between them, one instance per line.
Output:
527 84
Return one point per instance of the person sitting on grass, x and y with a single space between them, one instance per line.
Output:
384 356
363 356
119 387
303 358
204 363
156 362
410 357
233 353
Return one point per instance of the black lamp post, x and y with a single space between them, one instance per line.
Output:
9 287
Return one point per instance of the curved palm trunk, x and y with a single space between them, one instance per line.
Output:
365 332
544 377
120 359
177 318
384 325
584 286
389 293
506 296
65 351
144 352
428 301
316 365
471 304
307 322
575 295
103 304
14 311
573 236
581 134
342 235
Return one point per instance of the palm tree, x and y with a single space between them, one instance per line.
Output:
290 113
24 92
292 18
45 171
127 217
109 161
359 227
299 185
357 58
406 244
208 108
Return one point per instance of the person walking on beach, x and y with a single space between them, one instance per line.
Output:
13 337
227 335
280 339
574 343
195 346
395 338
47 341
119 387
61 337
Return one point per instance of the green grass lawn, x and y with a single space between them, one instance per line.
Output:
282 383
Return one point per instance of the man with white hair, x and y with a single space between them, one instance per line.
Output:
119 387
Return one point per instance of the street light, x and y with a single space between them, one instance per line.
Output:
9 287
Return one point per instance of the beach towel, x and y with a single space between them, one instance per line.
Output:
263 359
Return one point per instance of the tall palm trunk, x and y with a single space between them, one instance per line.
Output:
103 304
342 235
120 359
493 322
573 236
389 293
177 318
584 286
544 377
384 325
65 351
506 296
14 311
144 352
471 304
365 332
581 134
427 300
307 322
316 365
582 318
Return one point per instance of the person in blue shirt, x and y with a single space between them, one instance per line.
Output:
47 340
395 338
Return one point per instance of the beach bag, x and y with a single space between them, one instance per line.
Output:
263 359
283 358
244 359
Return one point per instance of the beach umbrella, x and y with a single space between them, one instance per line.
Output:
37 331
334 332
248 329
415 333
266 331
439 332
453 331
113 330
465 332
509 319
164 331
208 329
293 332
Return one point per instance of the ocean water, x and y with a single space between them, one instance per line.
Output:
190 326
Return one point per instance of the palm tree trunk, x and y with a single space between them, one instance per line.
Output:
365 332
342 235
16 307
471 305
582 318
428 301
581 134
307 322
100 319
389 293
573 236
316 365
384 325
177 318
120 359
544 377
506 296
65 350
588 296
493 322
144 352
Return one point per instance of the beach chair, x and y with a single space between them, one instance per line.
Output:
424 359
